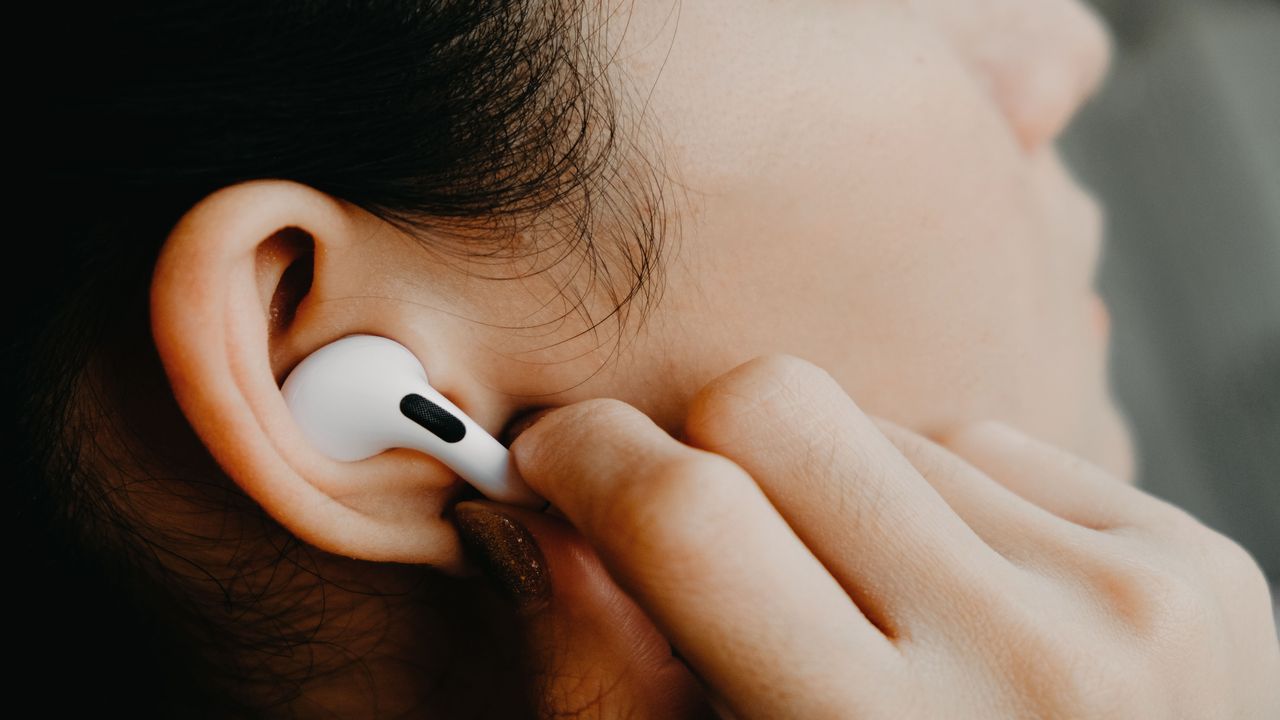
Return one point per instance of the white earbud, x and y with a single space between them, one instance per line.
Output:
364 394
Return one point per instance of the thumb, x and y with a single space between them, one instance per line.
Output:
590 651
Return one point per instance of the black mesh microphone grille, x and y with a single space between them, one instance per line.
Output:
433 417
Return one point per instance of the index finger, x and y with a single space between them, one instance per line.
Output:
692 538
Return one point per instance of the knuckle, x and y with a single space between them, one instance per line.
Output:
1171 520
1053 668
1158 602
575 425
606 411
1212 570
777 387
1173 524
1232 558
1237 572
1179 604
682 504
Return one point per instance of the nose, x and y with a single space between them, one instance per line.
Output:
1040 59
1052 70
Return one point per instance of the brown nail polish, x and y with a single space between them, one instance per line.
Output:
507 553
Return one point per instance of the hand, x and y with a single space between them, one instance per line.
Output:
807 561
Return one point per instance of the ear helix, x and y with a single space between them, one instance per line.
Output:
364 394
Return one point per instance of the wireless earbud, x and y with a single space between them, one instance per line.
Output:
363 394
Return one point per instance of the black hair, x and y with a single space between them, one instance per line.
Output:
470 122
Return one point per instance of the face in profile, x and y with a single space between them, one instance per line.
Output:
875 186
872 186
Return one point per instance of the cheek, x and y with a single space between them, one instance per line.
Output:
888 235
859 200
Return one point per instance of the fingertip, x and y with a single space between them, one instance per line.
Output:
520 425
740 404
571 448
528 433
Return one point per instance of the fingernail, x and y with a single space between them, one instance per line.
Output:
507 553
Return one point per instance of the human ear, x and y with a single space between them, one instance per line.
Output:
252 279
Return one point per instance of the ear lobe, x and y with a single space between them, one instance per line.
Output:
243 289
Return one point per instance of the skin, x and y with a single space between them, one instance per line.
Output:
870 188
807 560
884 174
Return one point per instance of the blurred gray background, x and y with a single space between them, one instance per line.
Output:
1183 146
